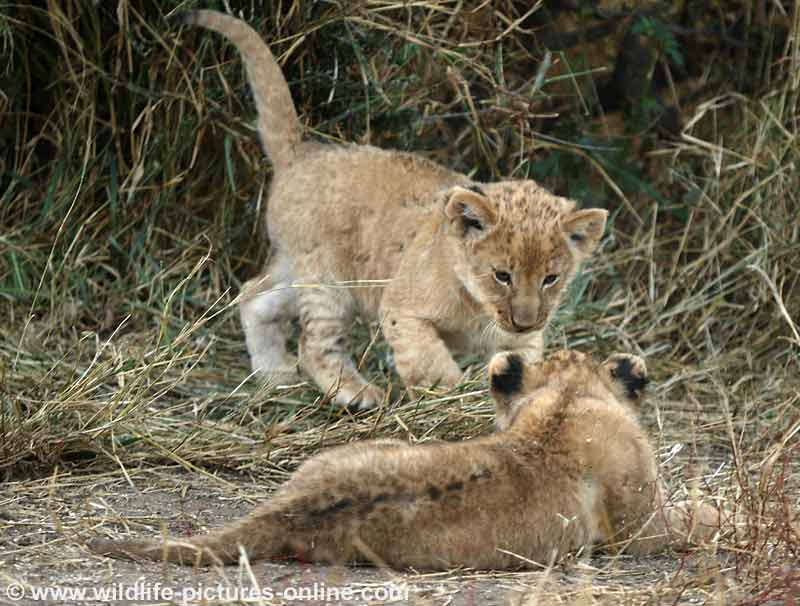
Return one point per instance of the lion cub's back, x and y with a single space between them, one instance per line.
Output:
361 204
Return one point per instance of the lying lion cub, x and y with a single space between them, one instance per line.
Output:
444 263
570 467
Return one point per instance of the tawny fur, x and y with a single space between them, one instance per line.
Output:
570 468
400 239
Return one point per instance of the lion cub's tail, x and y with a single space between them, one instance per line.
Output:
258 536
278 126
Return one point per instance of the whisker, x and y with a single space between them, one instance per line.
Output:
489 333
483 337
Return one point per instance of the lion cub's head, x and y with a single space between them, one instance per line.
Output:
515 383
519 248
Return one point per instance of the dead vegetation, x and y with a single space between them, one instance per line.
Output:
131 187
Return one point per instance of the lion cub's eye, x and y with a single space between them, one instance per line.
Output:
503 277
549 280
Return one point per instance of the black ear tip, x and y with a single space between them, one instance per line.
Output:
632 377
505 374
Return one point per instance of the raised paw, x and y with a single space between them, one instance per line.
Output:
630 371
357 400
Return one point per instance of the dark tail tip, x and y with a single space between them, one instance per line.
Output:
183 18
99 546
107 547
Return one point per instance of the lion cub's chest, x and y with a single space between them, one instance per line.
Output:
473 338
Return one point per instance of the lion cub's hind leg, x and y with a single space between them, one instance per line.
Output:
267 302
677 525
325 314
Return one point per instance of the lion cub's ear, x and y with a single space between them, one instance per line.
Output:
583 229
506 374
629 373
470 212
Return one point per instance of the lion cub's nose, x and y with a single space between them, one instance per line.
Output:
524 317
523 322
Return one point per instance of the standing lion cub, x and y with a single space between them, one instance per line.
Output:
570 467
444 263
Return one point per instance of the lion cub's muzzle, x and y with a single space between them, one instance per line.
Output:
521 329
526 318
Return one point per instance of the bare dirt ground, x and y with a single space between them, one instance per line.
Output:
45 521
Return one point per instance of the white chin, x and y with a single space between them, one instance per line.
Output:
507 330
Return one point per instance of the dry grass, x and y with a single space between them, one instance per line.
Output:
131 188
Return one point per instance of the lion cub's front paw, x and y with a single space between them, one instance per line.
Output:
356 400
283 371
630 371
